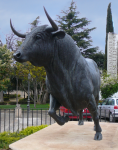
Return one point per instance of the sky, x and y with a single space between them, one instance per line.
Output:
23 12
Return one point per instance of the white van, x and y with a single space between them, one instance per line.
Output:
109 109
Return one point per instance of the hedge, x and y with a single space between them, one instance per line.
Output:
6 98
3 103
24 101
12 103
7 138
11 95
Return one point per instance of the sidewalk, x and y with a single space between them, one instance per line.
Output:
70 137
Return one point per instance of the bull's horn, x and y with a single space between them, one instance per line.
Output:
15 32
55 27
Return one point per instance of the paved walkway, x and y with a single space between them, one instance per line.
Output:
70 137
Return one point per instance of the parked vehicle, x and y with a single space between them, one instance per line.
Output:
67 112
109 109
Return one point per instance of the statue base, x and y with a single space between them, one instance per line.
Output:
70 136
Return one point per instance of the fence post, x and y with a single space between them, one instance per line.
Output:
32 117
41 116
9 119
4 118
13 120
23 120
105 115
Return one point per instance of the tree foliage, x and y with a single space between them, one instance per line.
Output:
21 71
109 85
99 59
109 28
76 28
5 66
38 76
35 23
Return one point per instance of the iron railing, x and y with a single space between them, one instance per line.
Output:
10 122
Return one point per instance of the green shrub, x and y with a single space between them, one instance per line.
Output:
109 85
3 103
6 95
19 95
32 129
109 90
12 103
13 95
7 138
24 101
6 98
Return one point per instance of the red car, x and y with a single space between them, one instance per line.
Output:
66 112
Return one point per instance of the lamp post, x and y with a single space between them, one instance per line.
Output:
28 101
18 110
17 91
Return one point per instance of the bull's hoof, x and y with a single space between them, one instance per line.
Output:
98 136
81 122
63 120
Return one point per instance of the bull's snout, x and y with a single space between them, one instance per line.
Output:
17 55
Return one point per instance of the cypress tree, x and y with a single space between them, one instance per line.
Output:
76 27
109 28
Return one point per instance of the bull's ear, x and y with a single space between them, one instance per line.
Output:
59 34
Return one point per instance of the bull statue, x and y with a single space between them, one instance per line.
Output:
72 80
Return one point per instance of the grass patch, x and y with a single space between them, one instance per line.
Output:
6 138
24 106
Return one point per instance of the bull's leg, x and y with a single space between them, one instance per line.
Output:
97 100
93 110
80 118
54 105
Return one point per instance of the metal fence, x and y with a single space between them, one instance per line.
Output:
13 121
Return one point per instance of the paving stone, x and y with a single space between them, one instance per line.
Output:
70 136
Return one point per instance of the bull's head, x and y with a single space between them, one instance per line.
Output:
38 46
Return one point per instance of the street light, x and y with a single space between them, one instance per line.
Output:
17 91
28 101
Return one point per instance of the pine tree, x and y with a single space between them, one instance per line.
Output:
99 59
109 28
76 28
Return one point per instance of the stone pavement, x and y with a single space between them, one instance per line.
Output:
70 137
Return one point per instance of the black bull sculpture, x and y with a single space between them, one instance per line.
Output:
72 80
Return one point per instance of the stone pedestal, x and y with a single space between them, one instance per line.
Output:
112 54
70 136
18 111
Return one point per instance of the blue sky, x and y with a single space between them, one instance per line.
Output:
23 12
